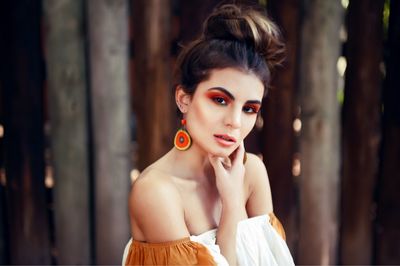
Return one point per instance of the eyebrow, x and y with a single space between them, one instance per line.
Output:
225 91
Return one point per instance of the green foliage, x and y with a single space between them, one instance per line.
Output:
262 3
386 14
340 96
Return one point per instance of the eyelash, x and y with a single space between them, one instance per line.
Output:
219 100
253 110
247 109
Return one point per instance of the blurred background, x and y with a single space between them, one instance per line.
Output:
86 103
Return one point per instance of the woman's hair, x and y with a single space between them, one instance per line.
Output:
234 36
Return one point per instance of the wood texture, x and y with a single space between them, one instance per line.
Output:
67 99
361 130
23 80
108 43
193 14
4 252
277 137
152 88
319 140
388 200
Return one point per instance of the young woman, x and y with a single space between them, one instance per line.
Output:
206 201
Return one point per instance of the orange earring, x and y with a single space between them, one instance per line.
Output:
182 140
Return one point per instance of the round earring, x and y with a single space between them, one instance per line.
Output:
182 140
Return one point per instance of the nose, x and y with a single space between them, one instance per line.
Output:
234 118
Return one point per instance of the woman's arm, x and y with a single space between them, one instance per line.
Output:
155 209
259 201
226 234
229 182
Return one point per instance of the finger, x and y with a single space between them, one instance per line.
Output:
239 155
226 162
216 163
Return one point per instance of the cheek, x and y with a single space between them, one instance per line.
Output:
247 126
201 117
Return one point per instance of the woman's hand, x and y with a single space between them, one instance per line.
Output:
229 175
229 178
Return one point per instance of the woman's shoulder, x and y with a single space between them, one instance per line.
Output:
255 168
259 199
155 208
153 183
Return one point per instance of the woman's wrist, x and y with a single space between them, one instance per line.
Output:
234 201
236 208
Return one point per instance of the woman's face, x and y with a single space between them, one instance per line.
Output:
223 110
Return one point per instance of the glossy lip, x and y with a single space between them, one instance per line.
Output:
230 142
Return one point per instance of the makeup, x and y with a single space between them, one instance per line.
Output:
218 97
252 108
224 140
222 96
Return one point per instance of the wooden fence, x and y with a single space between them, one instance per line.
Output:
86 102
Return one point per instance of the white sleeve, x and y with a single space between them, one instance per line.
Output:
208 240
258 243
126 251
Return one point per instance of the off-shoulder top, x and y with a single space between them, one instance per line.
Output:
260 240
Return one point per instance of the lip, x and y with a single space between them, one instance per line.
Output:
225 140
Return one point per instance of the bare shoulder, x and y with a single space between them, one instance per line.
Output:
260 199
155 208
255 169
254 161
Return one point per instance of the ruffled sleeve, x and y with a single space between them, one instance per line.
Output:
178 252
260 240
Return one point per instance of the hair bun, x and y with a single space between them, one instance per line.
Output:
243 24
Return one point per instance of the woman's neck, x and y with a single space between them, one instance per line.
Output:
191 164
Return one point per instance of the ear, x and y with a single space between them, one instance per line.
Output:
182 99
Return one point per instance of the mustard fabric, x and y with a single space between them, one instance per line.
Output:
180 252
276 224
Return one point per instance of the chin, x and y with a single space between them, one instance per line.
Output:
220 154
223 152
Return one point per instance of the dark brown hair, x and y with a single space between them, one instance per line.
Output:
235 36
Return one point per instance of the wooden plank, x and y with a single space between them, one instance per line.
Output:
388 200
27 213
67 99
193 14
319 140
153 99
4 252
4 258
279 112
108 42
361 130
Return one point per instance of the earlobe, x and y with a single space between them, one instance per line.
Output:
182 99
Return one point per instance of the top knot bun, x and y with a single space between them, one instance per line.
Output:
243 24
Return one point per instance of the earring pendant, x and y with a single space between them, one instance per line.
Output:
182 140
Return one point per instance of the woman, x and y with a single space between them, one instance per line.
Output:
206 201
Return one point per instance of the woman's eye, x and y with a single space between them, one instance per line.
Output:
249 109
219 100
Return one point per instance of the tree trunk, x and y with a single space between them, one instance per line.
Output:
278 140
27 213
319 141
388 218
66 73
152 90
361 129
108 39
